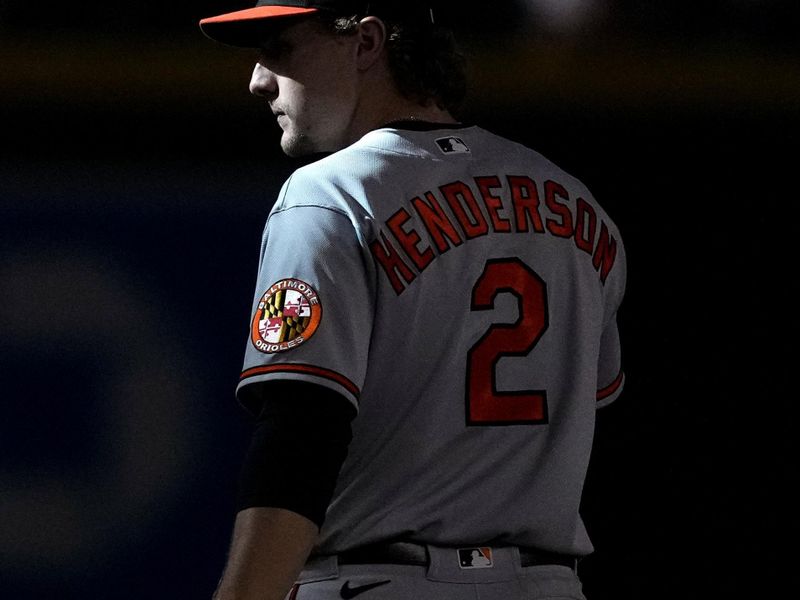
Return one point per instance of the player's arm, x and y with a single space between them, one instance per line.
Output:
288 476
269 548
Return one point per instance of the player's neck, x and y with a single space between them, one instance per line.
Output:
408 112
380 102
395 118
402 109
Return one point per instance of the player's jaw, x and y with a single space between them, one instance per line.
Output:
295 143
310 128
294 140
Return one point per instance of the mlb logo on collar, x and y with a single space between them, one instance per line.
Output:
475 558
452 145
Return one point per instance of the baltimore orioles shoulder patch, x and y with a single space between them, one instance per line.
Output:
287 315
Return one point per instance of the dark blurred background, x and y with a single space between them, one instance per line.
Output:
136 173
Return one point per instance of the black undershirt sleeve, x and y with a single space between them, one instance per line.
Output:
297 449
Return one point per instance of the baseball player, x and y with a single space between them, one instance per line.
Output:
433 328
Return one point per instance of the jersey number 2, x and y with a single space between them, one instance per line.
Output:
485 404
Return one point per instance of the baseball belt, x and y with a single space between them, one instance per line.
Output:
409 553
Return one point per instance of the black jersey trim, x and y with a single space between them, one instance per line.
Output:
305 370
423 125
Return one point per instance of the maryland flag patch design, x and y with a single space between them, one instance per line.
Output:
287 315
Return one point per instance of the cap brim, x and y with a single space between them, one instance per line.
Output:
245 28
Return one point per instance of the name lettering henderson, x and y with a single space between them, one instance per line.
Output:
513 204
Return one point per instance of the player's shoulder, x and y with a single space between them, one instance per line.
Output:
338 180
344 166
537 162
318 183
551 171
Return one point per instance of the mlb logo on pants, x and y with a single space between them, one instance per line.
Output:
475 558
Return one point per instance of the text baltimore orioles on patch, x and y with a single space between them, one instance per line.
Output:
287 315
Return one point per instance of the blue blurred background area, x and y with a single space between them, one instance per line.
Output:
136 172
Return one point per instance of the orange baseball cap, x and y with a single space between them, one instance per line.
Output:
245 28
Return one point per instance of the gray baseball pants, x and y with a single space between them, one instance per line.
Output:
444 578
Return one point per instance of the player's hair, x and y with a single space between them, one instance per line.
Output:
425 60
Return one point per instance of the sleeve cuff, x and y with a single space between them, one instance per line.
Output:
611 392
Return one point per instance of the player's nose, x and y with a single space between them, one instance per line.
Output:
263 82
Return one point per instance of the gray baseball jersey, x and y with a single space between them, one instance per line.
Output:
461 291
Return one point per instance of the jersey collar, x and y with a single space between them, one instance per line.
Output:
414 125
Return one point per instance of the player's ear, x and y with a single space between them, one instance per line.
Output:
371 42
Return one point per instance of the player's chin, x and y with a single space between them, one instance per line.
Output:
295 145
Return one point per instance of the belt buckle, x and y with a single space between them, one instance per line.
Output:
475 558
